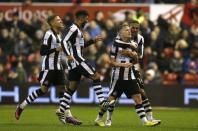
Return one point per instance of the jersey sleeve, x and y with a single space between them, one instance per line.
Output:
45 47
141 48
47 38
69 37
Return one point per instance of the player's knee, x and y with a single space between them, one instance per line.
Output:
70 91
142 92
96 80
137 99
144 97
96 76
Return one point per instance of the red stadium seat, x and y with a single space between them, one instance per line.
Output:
170 79
190 79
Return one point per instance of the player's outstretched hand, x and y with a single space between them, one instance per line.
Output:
124 52
126 65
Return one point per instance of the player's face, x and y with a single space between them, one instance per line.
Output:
134 29
125 32
57 22
84 21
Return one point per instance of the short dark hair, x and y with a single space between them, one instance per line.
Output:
50 19
81 13
133 22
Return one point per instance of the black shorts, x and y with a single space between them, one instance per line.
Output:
52 77
129 87
83 69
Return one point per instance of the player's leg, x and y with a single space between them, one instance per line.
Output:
59 81
147 107
98 88
145 100
139 108
102 111
115 92
44 80
64 108
65 103
132 90
89 72
63 112
110 110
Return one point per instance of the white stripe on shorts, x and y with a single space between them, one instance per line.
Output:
87 68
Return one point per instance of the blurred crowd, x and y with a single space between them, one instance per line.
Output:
170 55
103 1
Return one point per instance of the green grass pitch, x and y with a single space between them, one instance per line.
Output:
42 118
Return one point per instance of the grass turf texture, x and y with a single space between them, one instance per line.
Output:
42 118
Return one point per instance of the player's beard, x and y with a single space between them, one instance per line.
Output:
83 25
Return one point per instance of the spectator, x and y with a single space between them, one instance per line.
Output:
34 75
182 46
140 16
12 77
151 77
111 29
191 64
163 62
22 75
37 40
23 44
93 29
176 63
6 43
99 19
172 36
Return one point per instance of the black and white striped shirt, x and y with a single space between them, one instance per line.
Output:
139 39
51 57
73 44
121 73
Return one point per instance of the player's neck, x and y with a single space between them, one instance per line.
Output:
55 30
78 24
133 36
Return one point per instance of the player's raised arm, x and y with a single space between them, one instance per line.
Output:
92 41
